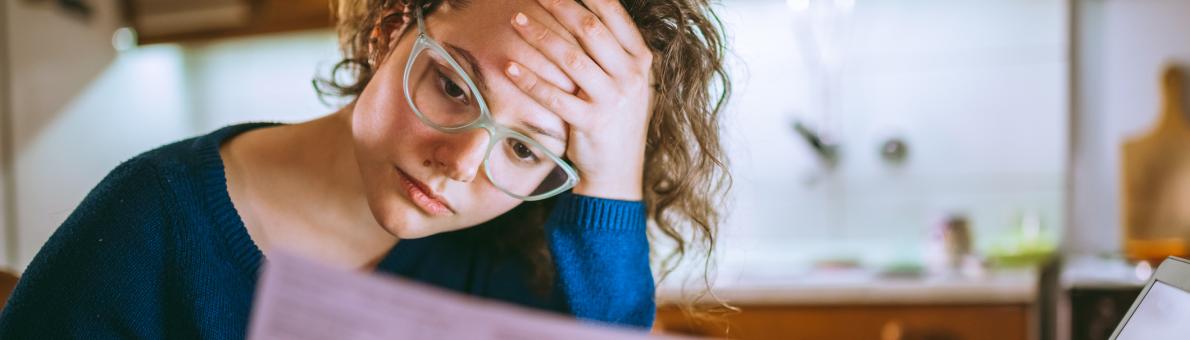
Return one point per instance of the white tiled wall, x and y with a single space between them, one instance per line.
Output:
976 88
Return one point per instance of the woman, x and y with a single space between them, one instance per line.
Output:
511 150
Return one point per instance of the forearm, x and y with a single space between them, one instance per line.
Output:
601 253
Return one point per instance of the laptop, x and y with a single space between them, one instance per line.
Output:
1162 311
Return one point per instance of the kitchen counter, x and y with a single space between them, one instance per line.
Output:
1098 272
866 287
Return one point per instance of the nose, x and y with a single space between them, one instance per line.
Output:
460 155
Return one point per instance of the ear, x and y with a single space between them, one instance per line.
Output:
386 32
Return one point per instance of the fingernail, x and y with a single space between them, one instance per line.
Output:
514 71
521 19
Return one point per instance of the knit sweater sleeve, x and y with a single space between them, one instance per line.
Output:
601 253
99 276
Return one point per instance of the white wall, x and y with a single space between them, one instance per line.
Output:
79 108
1123 45
977 88
264 78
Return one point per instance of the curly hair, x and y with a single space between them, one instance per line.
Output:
686 177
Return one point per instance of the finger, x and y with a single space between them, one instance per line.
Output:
617 20
572 59
591 32
544 68
551 97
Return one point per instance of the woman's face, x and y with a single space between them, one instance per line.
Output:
420 181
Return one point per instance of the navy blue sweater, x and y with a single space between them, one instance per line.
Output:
157 250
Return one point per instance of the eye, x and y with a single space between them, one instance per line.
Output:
452 89
521 150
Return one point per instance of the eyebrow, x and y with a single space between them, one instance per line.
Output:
538 130
470 59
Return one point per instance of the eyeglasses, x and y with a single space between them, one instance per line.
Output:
514 163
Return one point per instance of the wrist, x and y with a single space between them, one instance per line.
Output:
617 189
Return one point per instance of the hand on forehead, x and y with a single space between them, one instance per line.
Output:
482 27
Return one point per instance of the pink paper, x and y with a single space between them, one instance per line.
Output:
297 299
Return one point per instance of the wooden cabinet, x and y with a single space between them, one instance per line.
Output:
908 322
159 21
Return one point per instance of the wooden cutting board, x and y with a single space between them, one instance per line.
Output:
1156 180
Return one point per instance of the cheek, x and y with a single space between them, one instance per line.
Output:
383 125
375 112
382 119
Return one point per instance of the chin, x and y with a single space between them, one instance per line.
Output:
405 232
408 224
400 219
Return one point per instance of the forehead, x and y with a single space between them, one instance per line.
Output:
484 29
493 18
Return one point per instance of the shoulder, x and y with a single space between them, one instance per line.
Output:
130 212
101 272
182 168
150 187
189 156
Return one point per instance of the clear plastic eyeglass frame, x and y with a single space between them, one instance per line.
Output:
496 131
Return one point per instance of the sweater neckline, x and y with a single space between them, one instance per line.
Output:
243 251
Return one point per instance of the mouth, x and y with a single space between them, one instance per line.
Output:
424 198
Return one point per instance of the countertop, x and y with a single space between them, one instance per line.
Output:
864 287
1099 272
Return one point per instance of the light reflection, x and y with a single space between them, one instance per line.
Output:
124 39
1143 270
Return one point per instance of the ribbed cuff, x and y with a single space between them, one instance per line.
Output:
595 213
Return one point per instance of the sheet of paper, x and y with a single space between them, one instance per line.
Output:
297 299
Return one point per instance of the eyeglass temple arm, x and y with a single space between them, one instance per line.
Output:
421 23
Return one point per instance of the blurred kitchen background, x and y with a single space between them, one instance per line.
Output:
904 169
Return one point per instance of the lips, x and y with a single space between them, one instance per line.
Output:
423 197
